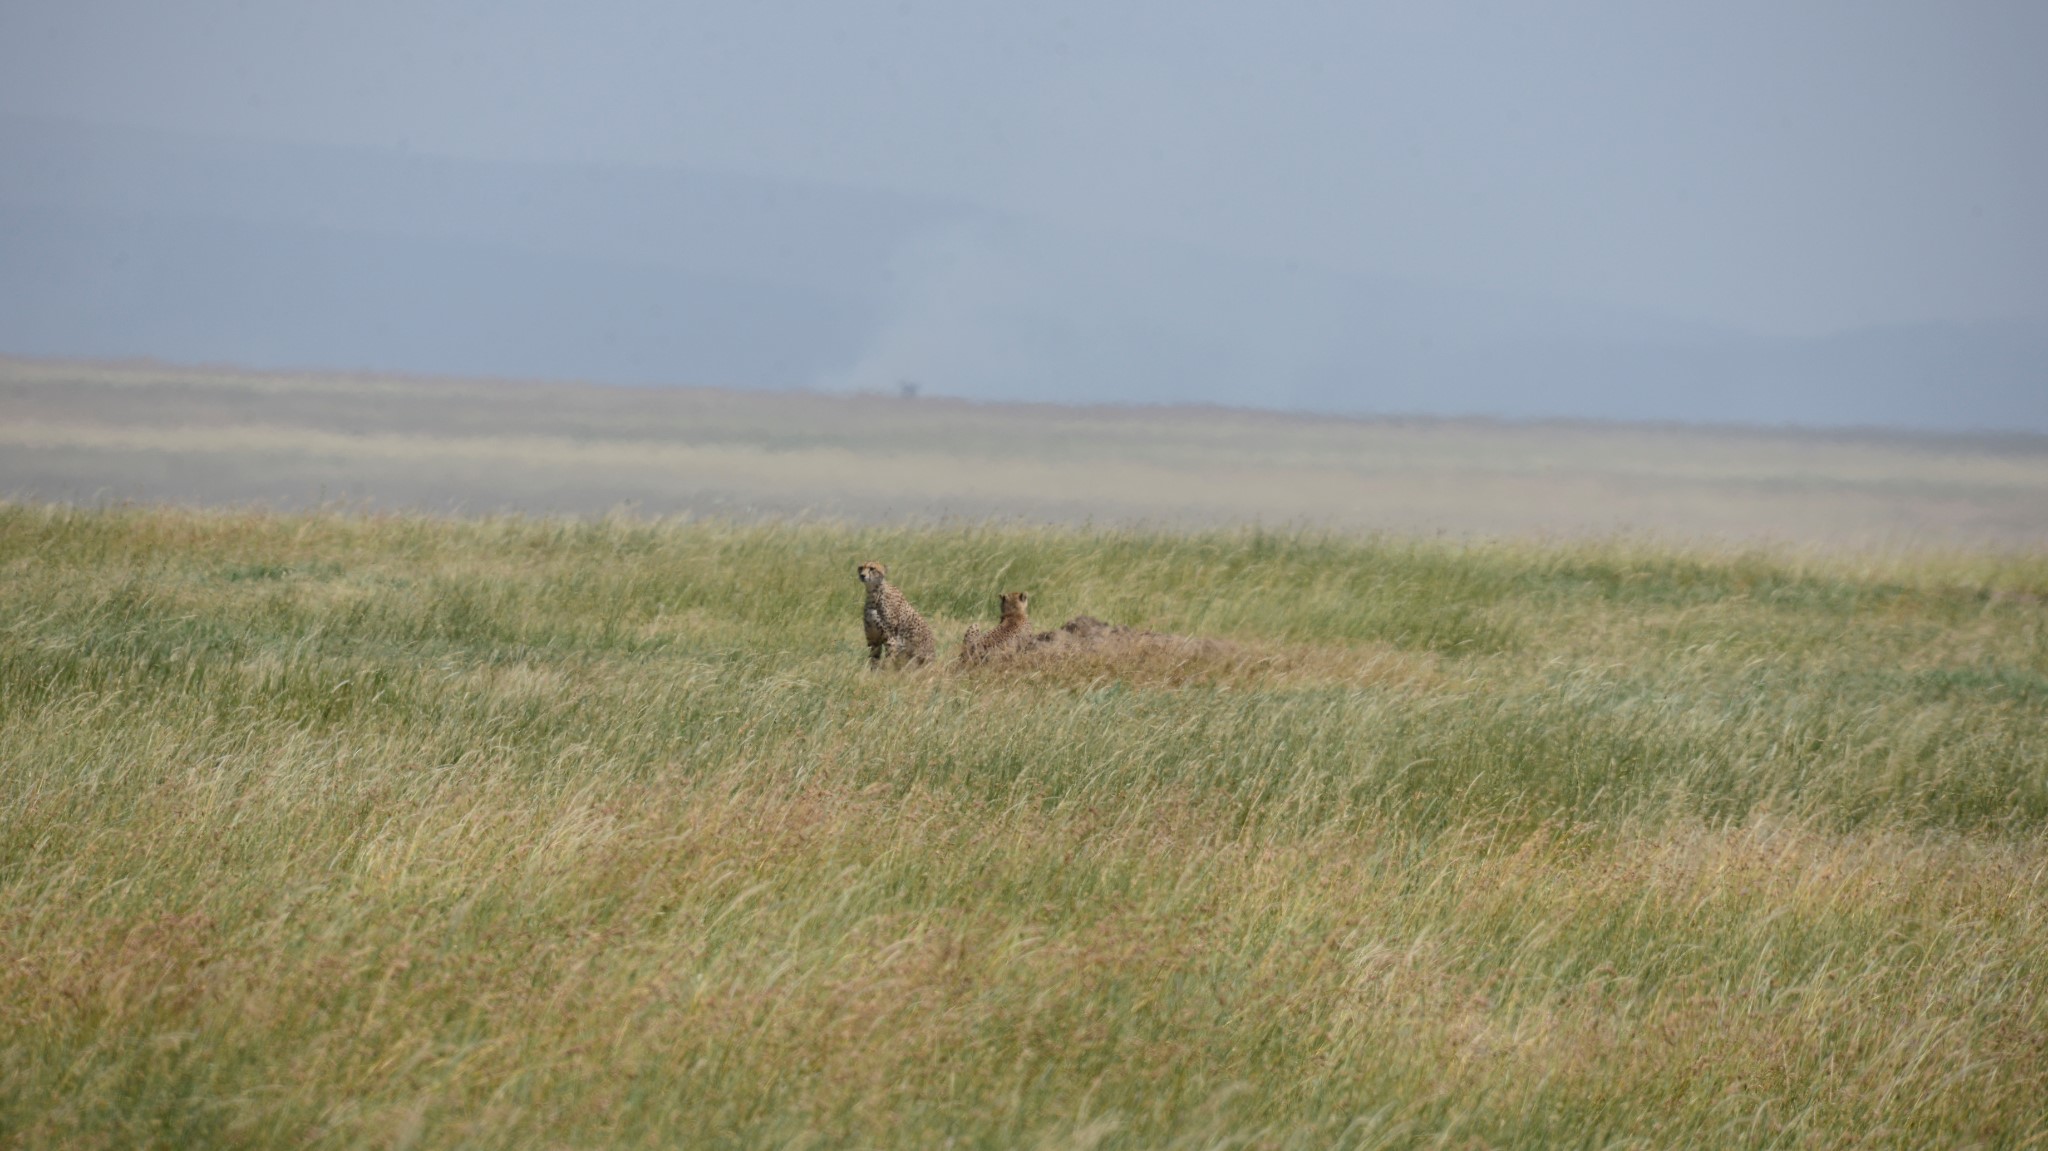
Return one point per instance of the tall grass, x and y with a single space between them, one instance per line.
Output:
349 831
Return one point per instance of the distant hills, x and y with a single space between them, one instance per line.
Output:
117 242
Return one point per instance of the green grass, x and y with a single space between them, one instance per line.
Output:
389 831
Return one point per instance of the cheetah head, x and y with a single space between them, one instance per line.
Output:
871 574
1013 604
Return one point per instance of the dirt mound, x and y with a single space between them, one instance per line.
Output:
1086 650
1086 630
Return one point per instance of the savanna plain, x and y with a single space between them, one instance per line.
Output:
373 828
339 830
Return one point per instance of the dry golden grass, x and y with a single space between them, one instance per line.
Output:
741 947
388 831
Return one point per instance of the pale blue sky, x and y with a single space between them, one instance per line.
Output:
1780 168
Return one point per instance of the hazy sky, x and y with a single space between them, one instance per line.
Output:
1779 167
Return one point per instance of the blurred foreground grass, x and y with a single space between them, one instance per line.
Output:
390 831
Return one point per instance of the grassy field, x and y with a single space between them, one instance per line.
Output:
98 433
336 831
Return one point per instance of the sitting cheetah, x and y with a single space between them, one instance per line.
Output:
1013 629
892 624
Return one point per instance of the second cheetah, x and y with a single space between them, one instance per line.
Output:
1012 630
892 625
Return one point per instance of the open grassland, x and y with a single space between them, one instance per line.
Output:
341 831
153 433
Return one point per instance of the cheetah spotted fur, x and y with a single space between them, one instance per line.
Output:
893 626
1012 630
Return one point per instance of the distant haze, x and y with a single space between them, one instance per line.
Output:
1821 214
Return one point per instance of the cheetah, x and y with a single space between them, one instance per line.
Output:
892 624
1013 629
